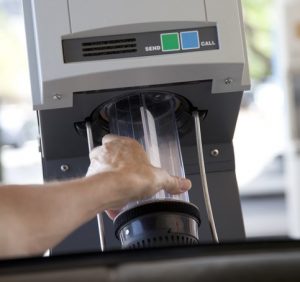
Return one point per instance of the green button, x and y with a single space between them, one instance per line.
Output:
170 41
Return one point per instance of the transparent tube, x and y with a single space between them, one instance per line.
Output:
150 119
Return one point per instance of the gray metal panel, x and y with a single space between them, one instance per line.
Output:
77 167
32 53
246 73
218 126
223 162
228 36
226 206
56 77
84 239
106 14
225 203
217 129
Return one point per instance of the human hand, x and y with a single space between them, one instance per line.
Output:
132 177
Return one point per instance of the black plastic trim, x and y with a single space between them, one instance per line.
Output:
156 207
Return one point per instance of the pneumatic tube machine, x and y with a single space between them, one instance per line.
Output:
89 58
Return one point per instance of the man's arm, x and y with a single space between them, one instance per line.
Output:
35 218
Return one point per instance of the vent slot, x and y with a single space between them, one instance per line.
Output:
108 47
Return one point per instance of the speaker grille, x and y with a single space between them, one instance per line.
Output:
108 47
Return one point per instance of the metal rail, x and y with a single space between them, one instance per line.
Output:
208 206
101 229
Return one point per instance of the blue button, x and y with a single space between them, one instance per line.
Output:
190 40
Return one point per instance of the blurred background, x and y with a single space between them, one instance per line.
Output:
266 145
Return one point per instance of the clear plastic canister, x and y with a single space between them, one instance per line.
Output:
150 119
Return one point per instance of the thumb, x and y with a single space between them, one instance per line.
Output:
172 184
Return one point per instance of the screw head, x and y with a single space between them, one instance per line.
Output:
215 153
228 80
57 97
64 167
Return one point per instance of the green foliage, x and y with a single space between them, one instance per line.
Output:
258 15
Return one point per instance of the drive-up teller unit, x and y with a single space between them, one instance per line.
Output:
170 74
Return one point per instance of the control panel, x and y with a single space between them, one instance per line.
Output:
140 44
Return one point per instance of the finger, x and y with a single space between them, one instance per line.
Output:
95 152
116 138
173 184
106 139
177 185
109 138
